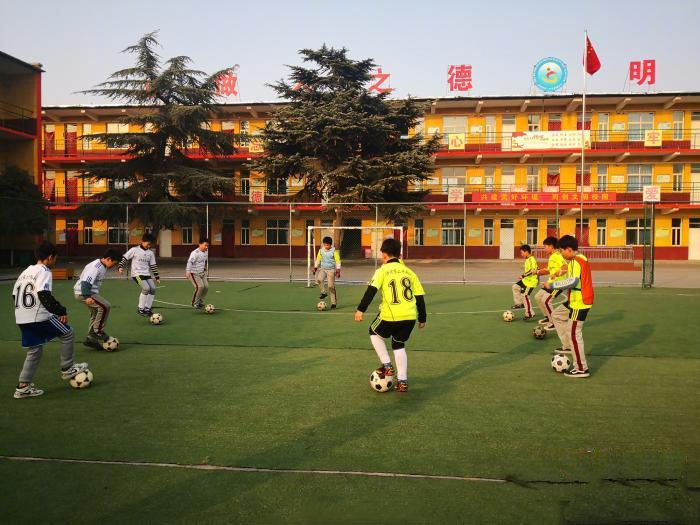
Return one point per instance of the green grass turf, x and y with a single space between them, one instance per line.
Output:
290 391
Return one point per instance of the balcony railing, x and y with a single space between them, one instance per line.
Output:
84 150
17 118
569 140
687 193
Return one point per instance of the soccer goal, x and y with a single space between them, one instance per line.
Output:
358 243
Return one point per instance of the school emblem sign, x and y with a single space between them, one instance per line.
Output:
550 74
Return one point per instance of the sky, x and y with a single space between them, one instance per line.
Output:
79 42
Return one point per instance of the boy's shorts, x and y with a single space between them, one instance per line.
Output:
399 331
35 334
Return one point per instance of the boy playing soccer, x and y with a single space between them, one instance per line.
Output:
328 259
556 269
528 281
402 303
570 316
143 264
87 291
41 318
196 271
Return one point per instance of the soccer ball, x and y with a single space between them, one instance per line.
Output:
321 306
111 344
380 383
508 316
560 363
81 380
209 309
156 318
539 332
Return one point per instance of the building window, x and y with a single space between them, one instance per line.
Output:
278 231
245 232
118 234
638 123
418 232
507 178
87 231
453 125
488 232
245 183
453 178
601 231
676 232
245 130
489 176
187 235
276 186
603 127
452 232
678 177
578 121
533 122
638 176
637 234
552 228
490 129
678 125
531 231
586 176
533 178
553 178
118 184
602 177
554 122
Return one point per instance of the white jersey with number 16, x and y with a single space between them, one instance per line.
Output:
28 308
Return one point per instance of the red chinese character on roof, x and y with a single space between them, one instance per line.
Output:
380 79
226 84
460 77
643 71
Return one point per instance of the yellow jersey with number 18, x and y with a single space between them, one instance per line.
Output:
399 287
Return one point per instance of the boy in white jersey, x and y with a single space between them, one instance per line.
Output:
143 264
87 291
196 271
41 318
328 260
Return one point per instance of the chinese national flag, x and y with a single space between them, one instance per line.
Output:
592 60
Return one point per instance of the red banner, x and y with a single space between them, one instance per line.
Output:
543 197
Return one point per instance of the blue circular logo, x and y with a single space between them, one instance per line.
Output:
550 74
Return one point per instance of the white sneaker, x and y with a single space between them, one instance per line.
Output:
73 370
550 327
577 374
28 391
544 320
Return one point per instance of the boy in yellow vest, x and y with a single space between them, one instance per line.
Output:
556 271
570 316
528 282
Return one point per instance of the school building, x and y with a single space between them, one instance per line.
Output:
509 171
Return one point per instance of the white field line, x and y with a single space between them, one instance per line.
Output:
223 468
298 312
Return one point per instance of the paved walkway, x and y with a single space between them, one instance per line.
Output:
668 274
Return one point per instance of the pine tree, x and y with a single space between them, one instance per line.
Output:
156 169
344 143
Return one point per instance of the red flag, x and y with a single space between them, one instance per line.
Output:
592 61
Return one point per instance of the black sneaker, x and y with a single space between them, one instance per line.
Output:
334 306
560 350
517 307
528 317
323 296
142 311
147 312
92 343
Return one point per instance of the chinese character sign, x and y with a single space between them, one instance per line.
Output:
643 71
379 79
460 77
226 84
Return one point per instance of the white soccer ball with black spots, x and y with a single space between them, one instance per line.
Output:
111 344
560 363
380 383
508 316
81 380
156 318
321 306
209 309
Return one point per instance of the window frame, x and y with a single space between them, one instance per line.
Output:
277 231
186 231
452 233
532 231
489 232
245 232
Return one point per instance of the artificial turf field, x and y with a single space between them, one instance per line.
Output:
273 384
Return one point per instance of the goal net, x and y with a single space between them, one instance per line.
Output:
358 245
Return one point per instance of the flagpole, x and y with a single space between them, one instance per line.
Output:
583 127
